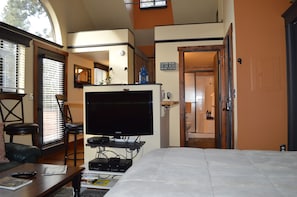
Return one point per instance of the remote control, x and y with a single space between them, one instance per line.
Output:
27 174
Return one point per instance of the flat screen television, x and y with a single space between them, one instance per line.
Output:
119 113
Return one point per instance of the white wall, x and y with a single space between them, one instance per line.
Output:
100 37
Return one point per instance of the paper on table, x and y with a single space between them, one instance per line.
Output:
55 170
13 183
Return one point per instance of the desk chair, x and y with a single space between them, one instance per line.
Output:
12 114
70 128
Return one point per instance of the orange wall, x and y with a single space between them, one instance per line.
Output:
149 51
152 17
261 78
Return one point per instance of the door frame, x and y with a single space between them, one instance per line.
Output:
219 49
38 108
225 93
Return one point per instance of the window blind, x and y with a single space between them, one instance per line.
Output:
53 83
12 67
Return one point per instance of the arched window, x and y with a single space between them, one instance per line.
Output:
34 16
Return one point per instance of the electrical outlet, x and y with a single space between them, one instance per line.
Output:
282 147
31 96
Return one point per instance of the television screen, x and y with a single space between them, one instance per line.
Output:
119 113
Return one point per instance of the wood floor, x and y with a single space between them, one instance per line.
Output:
201 143
57 156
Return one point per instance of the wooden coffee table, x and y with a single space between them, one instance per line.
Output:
43 185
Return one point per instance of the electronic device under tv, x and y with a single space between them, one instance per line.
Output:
119 113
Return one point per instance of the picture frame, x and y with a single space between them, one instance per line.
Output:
82 76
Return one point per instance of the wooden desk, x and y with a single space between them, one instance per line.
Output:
43 185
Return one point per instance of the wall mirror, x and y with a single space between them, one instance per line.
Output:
82 76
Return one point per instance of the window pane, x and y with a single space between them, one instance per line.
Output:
152 3
53 83
146 3
34 19
160 3
20 69
100 76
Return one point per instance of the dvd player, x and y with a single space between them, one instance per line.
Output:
113 164
98 140
99 164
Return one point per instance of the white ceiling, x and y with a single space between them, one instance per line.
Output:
85 15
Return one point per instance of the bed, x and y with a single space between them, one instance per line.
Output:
186 172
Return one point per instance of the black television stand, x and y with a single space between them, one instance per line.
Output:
103 161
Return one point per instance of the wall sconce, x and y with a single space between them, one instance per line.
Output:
122 53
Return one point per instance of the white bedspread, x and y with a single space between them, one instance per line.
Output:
186 172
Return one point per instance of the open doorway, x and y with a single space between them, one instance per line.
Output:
200 97
200 105
222 69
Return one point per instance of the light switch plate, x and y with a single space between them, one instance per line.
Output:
167 65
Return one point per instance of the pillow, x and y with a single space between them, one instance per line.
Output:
3 159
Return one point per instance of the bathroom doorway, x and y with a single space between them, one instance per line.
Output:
222 68
200 86
200 104
223 113
201 67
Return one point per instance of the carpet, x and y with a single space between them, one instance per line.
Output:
93 193
63 192
68 192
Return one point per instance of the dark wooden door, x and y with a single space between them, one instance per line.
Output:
226 97
290 17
